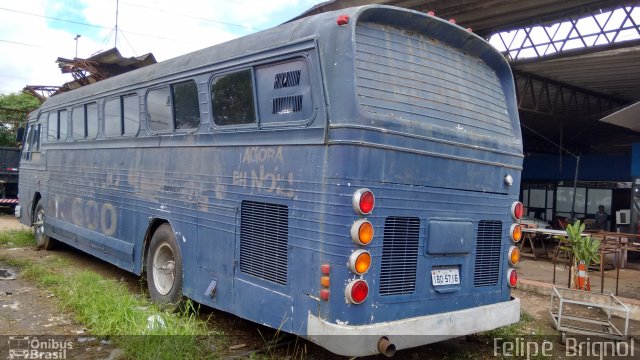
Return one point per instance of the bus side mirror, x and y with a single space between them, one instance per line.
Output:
20 135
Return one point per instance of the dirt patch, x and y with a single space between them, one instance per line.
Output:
30 315
9 222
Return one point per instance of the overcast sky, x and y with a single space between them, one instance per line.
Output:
34 33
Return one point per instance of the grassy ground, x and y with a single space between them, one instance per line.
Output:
16 238
108 308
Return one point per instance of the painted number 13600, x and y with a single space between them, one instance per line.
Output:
445 276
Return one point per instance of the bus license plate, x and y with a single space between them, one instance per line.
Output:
445 276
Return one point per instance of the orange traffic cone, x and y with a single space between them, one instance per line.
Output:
582 280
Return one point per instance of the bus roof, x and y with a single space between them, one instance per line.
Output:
287 33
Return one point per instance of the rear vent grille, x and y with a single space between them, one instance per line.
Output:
287 79
287 104
399 255
487 269
264 233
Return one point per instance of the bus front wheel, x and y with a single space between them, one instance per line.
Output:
164 269
43 241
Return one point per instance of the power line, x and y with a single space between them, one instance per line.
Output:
551 141
53 18
191 16
85 24
24 44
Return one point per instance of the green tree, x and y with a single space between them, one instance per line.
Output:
14 109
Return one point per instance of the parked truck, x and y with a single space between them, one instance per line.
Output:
9 161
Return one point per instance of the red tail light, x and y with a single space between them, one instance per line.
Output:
513 277
342 20
517 210
356 291
363 201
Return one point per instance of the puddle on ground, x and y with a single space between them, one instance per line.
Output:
8 274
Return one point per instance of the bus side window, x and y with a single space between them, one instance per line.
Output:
32 141
63 126
174 107
284 92
26 147
78 123
52 127
112 114
232 99
159 109
130 115
91 111
186 106
36 138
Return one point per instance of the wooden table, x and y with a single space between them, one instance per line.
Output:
530 234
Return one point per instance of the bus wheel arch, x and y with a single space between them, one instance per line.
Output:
36 199
154 224
43 241
164 267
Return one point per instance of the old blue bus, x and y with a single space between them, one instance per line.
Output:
351 178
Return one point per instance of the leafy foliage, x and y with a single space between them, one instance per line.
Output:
584 248
13 113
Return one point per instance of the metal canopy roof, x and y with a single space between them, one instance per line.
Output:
484 16
562 96
614 72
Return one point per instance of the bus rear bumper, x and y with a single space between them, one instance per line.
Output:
347 340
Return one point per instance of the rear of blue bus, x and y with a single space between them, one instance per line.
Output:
424 151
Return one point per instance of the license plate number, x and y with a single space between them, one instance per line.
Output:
445 276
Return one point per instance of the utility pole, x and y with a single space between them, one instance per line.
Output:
76 39
116 30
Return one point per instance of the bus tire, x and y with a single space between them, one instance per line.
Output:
164 269
43 241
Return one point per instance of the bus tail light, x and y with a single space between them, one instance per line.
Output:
517 210
363 201
514 255
516 232
360 261
512 275
342 20
362 232
325 281
356 291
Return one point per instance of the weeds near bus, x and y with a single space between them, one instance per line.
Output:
16 238
522 327
108 308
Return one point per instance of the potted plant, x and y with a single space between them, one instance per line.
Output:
585 251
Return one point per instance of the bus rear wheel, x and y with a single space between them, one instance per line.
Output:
43 241
164 269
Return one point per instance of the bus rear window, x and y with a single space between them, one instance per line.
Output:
232 99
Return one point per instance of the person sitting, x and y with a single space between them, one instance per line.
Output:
601 218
